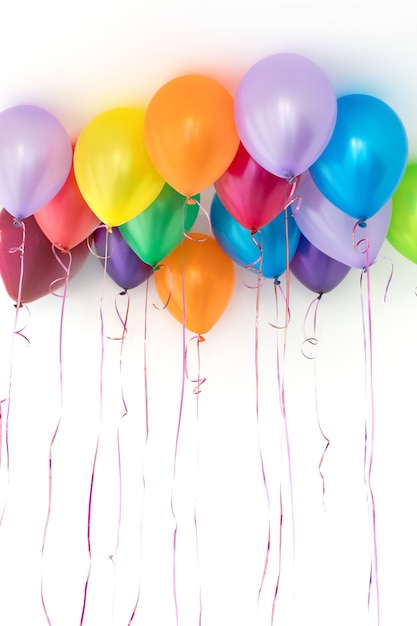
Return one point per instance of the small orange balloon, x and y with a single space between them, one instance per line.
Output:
190 132
201 275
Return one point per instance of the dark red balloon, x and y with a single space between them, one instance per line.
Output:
40 266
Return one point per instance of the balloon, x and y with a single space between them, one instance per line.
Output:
285 113
190 132
365 159
315 270
112 167
402 230
333 232
250 193
67 219
155 232
35 159
40 266
239 244
200 274
121 263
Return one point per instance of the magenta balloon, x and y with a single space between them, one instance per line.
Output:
315 270
35 159
250 193
285 113
332 231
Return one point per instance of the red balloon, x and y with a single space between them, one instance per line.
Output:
251 194
67 220
40 266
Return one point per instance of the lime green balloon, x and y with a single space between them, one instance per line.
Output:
402 231
155 232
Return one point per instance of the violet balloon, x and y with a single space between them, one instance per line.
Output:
122 264
331 230
315 270
285 112
35 159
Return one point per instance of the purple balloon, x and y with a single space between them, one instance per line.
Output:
122 264
315 270
285 113
334 232
35 159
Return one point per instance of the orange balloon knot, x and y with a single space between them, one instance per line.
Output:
201 338
190 200
61 248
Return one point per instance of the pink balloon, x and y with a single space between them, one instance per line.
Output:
251 194
35 159
334 232
285 113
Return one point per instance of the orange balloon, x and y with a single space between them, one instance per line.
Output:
190 132
201 275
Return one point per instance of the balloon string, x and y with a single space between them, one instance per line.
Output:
177 436
21 249
197 390
67 269
292 198
145 375
312 340
281 388
200 206
123 320
260 280
369 437
92 479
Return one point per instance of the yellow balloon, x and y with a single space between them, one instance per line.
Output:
112 168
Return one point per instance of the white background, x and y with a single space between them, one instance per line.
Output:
77 61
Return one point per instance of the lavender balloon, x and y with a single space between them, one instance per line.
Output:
35 159
285 113
315 270
332 231
122 264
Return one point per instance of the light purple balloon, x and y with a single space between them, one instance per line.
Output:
315 270
285 112
334 232
35 159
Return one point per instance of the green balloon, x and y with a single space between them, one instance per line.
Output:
402 231
159 229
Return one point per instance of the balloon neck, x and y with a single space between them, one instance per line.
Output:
200 338
61 248
190 200
277 281
109 228
291 179
362 223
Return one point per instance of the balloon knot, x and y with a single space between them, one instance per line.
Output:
277 281
362 224
254 231
61 248
109 229
201 338
190 200
291 179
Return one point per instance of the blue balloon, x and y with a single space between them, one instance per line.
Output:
365 159
271 240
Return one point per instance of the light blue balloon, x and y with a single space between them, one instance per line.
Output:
365 159
270 241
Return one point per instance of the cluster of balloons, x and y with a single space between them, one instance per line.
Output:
298 174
